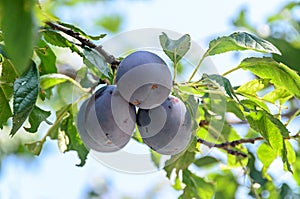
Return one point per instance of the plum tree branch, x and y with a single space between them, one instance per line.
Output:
85 42
226 145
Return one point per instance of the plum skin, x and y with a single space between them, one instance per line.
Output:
166 129
144 79
99 124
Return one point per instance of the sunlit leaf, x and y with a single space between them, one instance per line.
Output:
175 49
266 155
288 156
270 128
240 41
279 74
280 94
25 95
50 80
253 103
253 86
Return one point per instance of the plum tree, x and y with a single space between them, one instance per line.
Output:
144 79
106 121
166 128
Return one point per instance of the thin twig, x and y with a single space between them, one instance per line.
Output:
85 42
225 145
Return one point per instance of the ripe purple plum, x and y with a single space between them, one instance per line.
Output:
106 121
167 128
144 79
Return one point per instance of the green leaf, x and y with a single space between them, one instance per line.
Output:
19 31
241 20
225 183
50 80
279 74
7 78
36 117
47 57
25 95
57 39
5 111
35 147
87 80
60 115
69 139
256 175
280 94
288 155
191 104
2 51
1 36
196 187
206 161
175 49
65 132
181 161
266 155
96 62
111 23
290 52
240 41
155 157
287 192
233 107
253 86
81 32
220 81
253 103
269 127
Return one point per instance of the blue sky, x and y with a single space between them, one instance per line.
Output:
54 175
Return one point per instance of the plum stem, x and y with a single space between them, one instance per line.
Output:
198 66
230 71
175 67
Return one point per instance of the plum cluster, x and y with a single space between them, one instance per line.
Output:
106 121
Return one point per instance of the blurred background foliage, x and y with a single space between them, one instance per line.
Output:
281 28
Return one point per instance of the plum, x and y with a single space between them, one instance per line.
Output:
144 79
106 121
167 128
